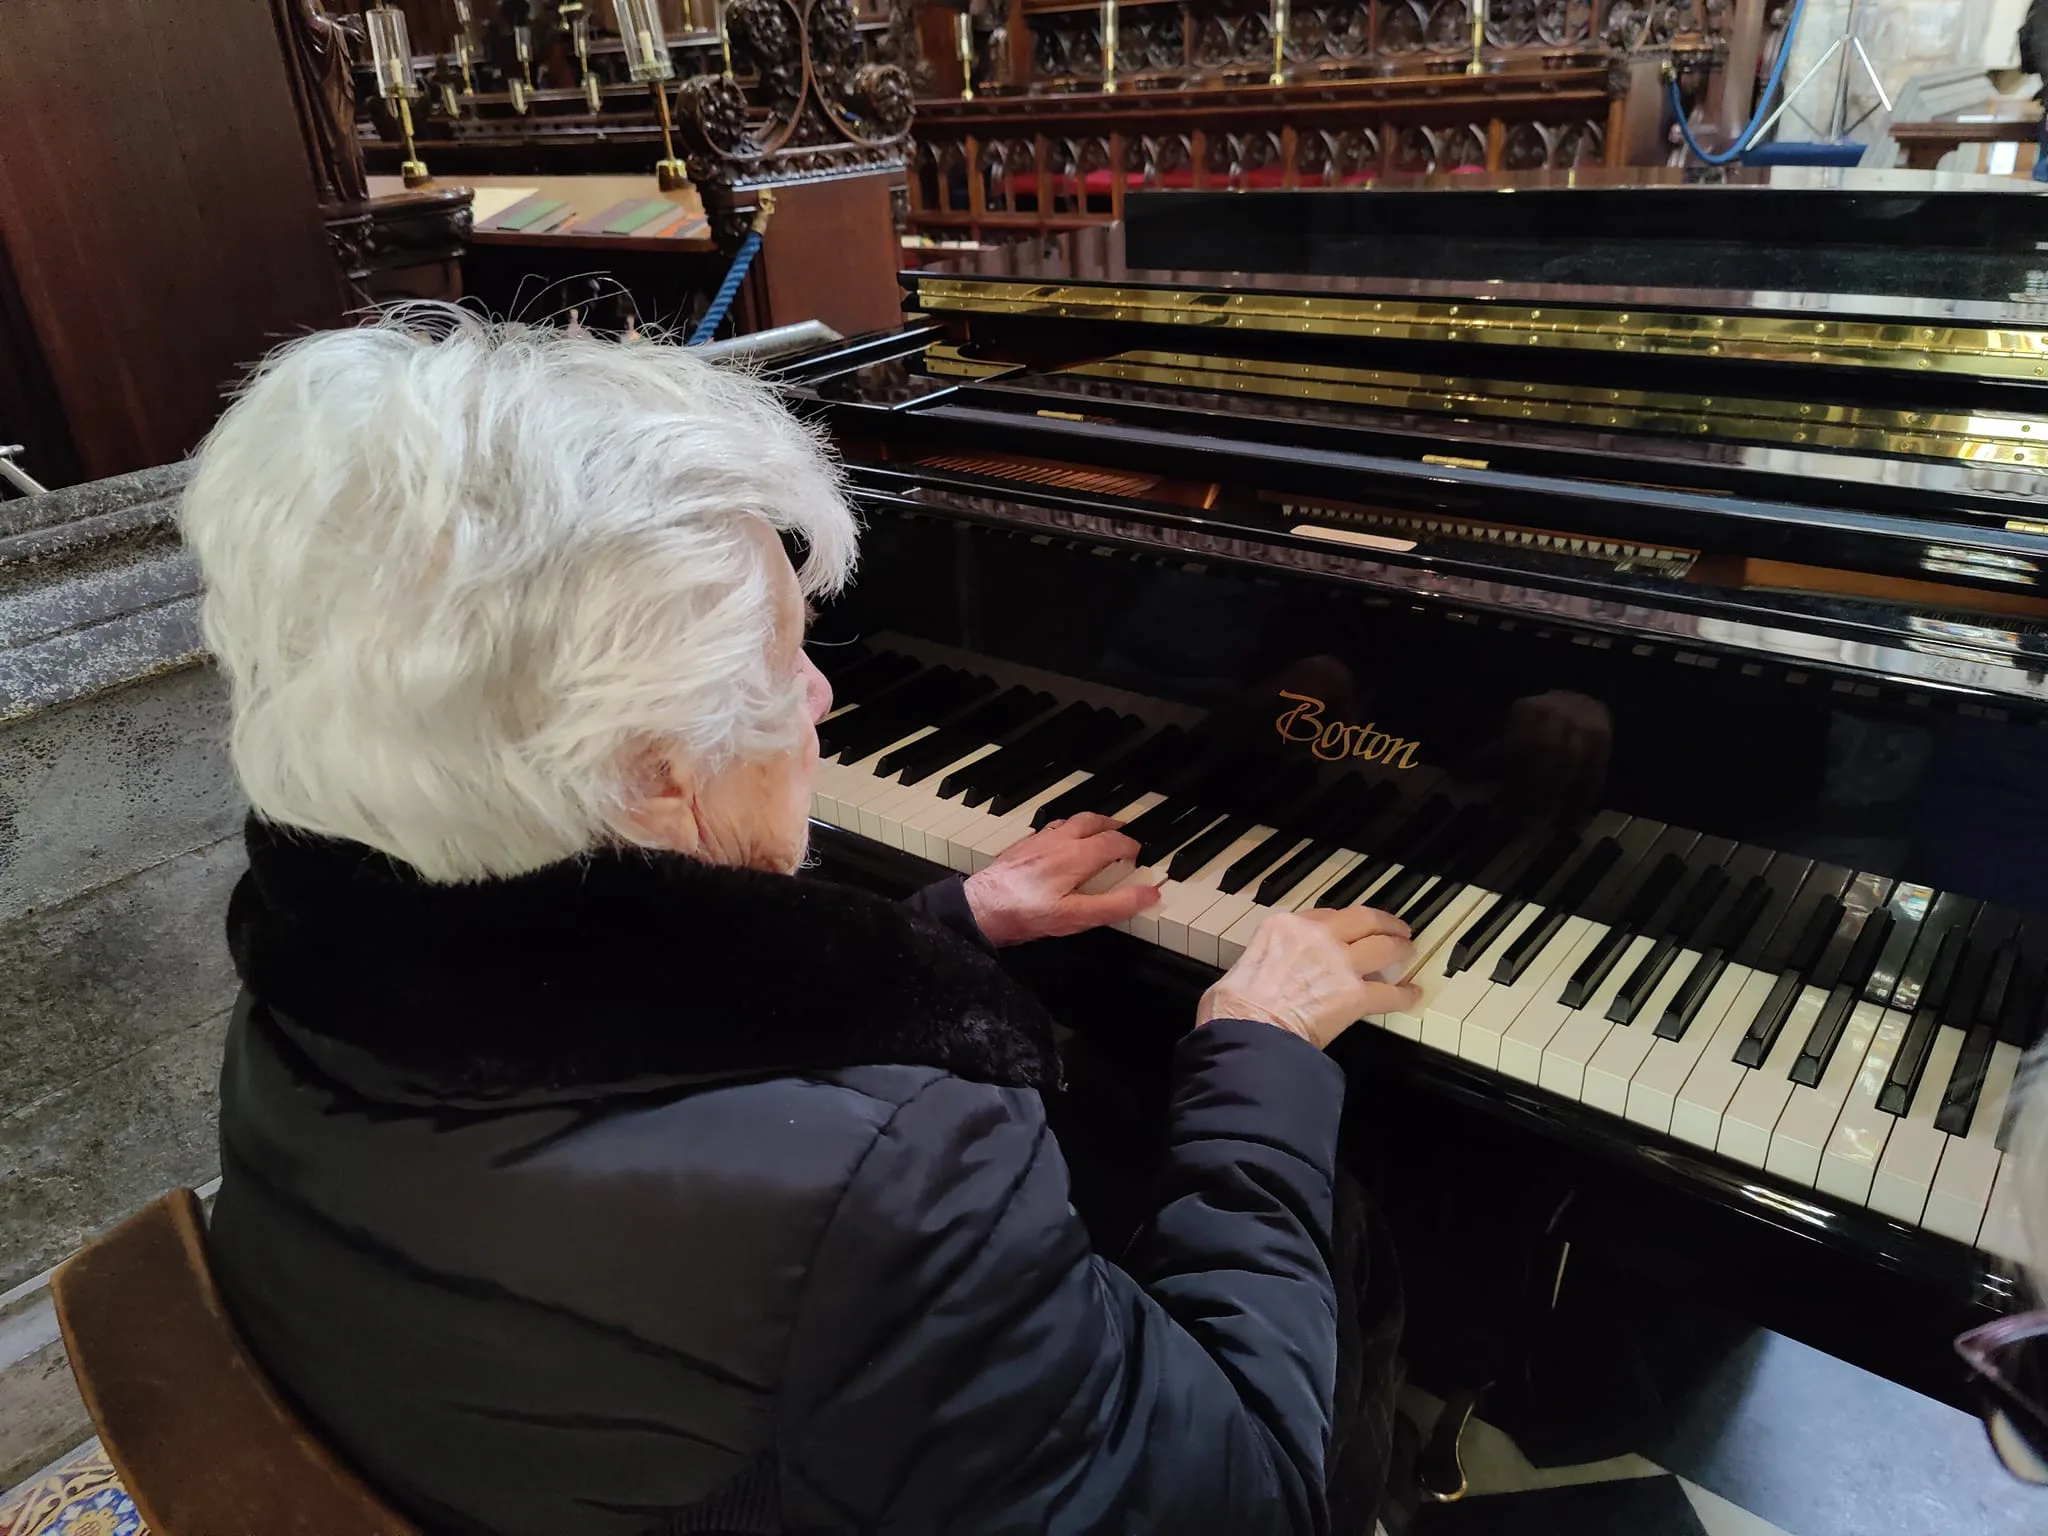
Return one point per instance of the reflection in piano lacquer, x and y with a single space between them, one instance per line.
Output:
1850 1035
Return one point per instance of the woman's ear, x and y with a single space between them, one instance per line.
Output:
660 810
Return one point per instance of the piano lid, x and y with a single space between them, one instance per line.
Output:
1786 238
1870 467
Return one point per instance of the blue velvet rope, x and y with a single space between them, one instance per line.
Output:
729 289
1734 151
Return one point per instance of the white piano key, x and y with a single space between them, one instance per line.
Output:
1961 1191
1653 1092
2002 1232
921 803
1760 1098
1611 1072
1912 1153
1542 1015
1230 945
1432 948
1444 1015
950 842
1184 901
1495 1014
1572 1048
881 815
1857 1141
1808 1123
1005 831
1696 1115
845 789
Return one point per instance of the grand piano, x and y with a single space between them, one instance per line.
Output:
1638 587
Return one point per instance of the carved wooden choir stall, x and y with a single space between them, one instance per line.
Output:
1029 125
633 175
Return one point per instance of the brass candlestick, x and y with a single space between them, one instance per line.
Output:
578 19
465 52
724 36
963 43
1278 22
391 55
648 62
1108 28
1478 64
522 45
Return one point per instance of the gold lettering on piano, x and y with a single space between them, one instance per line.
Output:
1333 740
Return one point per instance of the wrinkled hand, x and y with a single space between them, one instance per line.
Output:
1315 974
1033 891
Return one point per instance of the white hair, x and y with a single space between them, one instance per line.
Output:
456 573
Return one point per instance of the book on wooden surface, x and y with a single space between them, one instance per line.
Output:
684 223
637 218
556 221
525 214
488 203
597 223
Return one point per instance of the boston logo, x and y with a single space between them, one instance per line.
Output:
1333 740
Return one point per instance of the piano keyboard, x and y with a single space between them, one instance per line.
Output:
1852 1036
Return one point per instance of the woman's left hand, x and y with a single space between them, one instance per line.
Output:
1034 890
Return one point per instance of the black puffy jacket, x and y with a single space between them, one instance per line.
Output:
636 1196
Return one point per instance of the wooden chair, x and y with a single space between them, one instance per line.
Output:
202 1440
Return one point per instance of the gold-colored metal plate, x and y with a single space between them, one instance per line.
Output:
948 361
2008 352
2011 441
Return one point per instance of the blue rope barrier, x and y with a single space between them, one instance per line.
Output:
1763 104
730 288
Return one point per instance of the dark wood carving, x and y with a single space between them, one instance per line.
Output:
817 110
159 220
317 49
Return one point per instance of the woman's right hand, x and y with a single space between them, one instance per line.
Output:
1315 974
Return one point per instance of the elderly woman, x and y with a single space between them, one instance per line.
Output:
587 1168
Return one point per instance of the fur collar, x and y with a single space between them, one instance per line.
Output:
620 972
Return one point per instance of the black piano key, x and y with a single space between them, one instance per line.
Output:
1304 820
1735 925
978 778
1599 861
1903 1080
1199 851
1686 928
1046 743
1825 1035
1135 770
1685 1003
1821 926
1409 834
1769 1022
881 714
937 705
2023 1002
1098 743
1195 800
1332 834
1966 1082
1654 886
1650 971
1096 738
1481 935
989 722
1429 906
868 677
1849 982
1456 846
1998 985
